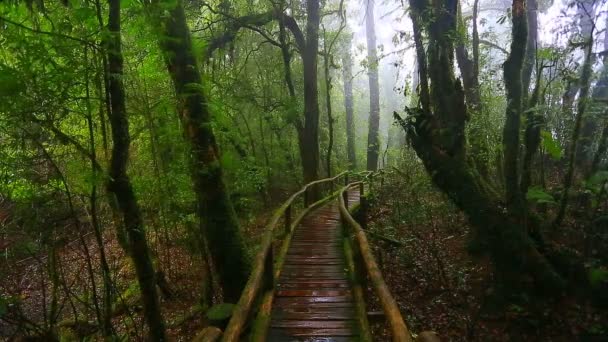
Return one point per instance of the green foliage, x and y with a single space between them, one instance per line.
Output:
537 194
550 145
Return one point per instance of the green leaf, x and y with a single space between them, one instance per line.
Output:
551 145
538 195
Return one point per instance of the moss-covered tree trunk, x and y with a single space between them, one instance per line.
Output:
373 142
469 71
512 74
437 136
218 221
120 185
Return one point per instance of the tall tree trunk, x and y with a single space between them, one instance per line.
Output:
586 17
373 143
512 73
532 139
120 184
581 108
218 221
106 318
330 119
310 133
347 75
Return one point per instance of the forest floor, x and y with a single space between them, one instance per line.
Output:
440 287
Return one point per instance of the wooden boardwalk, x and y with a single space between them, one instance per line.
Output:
313 299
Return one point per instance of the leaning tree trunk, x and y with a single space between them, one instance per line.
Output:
437 136
373 144
218 221
120 185
347 75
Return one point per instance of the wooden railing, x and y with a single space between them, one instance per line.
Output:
363 254
259 288
263 271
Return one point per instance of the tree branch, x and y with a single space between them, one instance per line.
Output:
493 45
53 34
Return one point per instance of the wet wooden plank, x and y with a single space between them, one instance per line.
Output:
312 293
315 285
287 301
344 310
278 334
314 324
317 316
335 267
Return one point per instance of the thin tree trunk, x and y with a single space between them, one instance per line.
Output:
582 104
330 119
347 75
530 59
120 184
373 143
601 149
106 317
532 139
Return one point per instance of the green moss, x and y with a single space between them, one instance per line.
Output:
220 312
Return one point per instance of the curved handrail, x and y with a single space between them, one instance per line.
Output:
398 327
262 263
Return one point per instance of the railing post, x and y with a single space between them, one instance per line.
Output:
361 189
288 219
346 179
269 270
306 198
